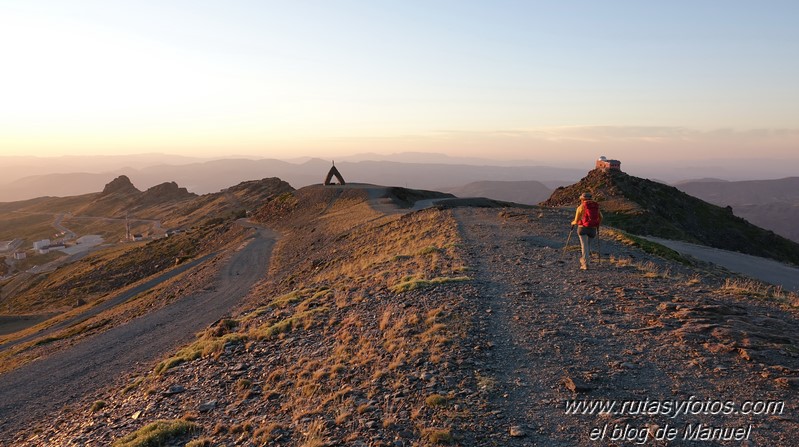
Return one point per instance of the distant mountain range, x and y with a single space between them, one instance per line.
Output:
528 192
771 204
213 176
750 192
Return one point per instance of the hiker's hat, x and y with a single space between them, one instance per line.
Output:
586 196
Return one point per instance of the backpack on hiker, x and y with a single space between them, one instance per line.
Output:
590 217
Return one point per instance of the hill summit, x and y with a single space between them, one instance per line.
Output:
120 185
645 207
167 191
120 197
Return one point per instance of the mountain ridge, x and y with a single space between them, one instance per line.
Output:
527 192
771 204
213 176
435 327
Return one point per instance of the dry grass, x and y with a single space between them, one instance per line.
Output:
418 283
693 280
649 269
379 255
619 262
436 400
757 289
292 297
315 434
267 433
208 344
157 433
652 270
242 388
487 383
438 435
201 442
132 385
342 309
302 319
30 226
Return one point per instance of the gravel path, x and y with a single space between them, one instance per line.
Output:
110 303
553 333
35 391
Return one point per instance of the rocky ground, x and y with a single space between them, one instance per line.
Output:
632 328
464 327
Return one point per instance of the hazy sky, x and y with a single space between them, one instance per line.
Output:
537 80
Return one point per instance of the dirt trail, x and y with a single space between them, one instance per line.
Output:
36 391
110 303
554 333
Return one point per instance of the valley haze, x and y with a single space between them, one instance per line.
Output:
26 177
759 182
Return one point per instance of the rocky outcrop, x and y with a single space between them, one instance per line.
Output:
120 198
165 192
120 185
260 189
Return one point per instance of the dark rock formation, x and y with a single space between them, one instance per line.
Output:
164 192
121 185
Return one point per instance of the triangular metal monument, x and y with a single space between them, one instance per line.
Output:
334 173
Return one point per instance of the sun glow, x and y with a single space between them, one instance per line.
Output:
316 78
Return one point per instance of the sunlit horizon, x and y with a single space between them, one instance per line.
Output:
509 80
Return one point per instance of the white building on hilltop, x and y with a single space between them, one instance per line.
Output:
608 165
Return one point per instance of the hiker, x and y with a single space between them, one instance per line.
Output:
587 218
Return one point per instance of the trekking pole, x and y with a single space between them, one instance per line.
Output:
566 247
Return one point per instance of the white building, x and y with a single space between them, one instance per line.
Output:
44 243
